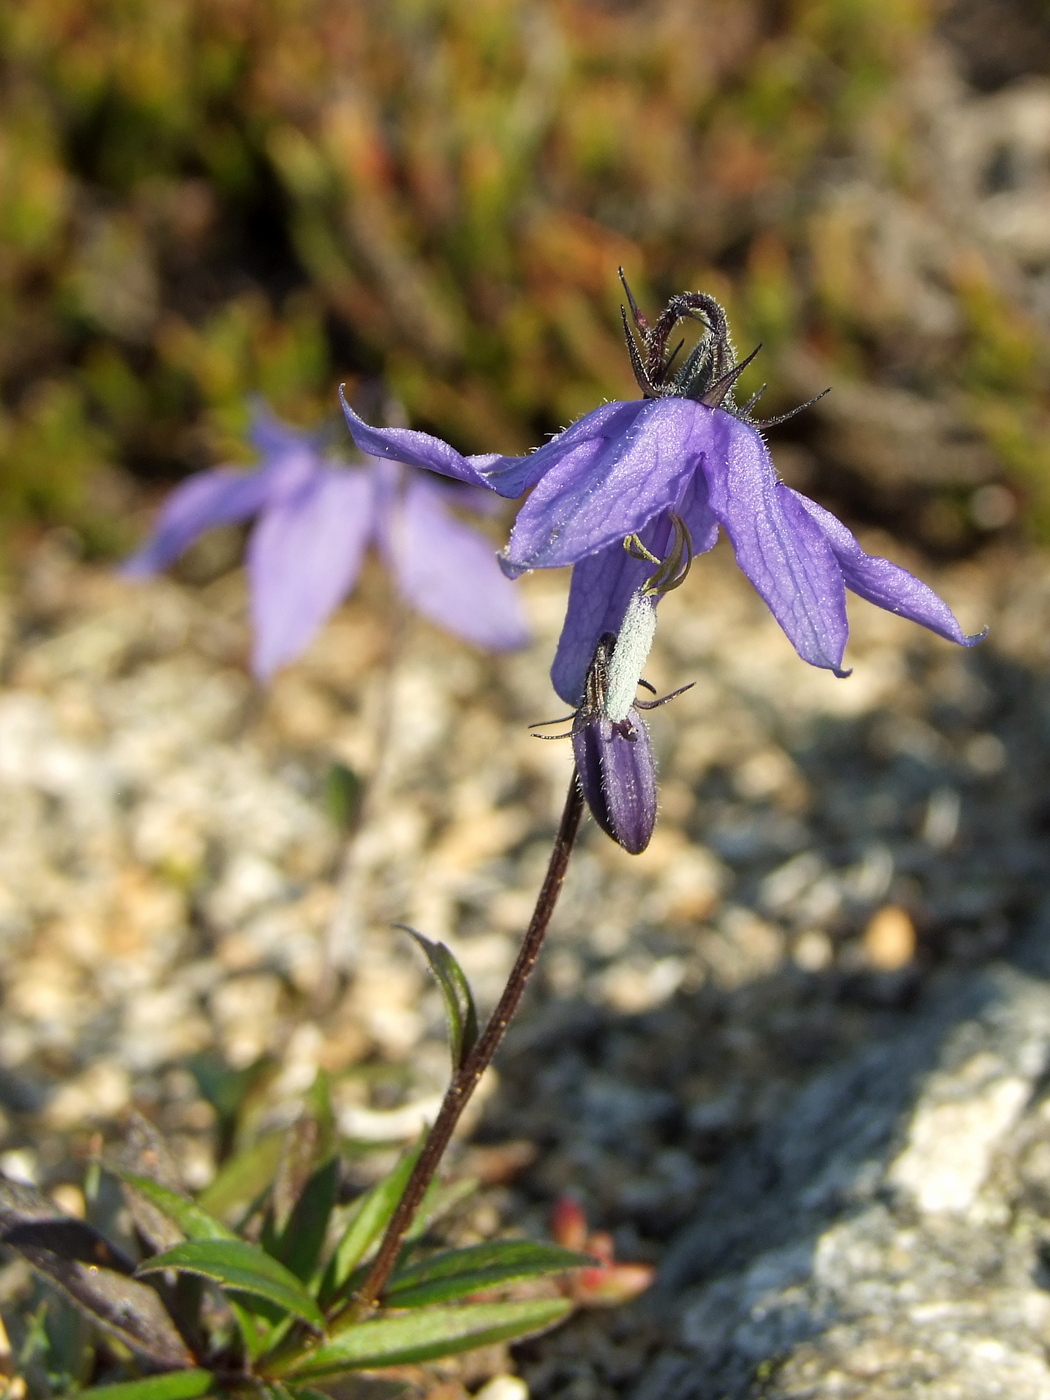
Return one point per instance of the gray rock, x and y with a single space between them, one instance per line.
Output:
884 1237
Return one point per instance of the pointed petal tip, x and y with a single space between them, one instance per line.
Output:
510 569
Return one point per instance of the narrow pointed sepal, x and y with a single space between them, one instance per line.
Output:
618 777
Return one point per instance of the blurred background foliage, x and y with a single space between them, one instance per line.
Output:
204 198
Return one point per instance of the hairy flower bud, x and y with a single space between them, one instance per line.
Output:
618 776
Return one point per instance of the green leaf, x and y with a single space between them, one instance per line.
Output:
299 1246
308 1144
242 1180
369 1218
455 1273
195 1223
175 1385
422 1336
459 1000
238 1265
256 1326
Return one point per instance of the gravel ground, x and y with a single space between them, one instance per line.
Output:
836 866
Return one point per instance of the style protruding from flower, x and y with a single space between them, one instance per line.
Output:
685 450
315 518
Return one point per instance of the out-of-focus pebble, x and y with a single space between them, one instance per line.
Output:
889 939
503 1388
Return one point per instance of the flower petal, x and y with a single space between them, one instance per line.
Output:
275 438
884 584
606 488
511 476
303 557
603 584
218 497
618 777
414 448
448 571
778 544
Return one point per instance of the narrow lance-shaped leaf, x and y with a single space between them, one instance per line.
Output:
257 1320
240 1266
243 1179
299 1246
195 1223
370 1217
456 1273
459 1000
309 1144
307 1184
95 1275
421 1336
176 1385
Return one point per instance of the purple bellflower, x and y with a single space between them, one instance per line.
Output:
314 520
685 451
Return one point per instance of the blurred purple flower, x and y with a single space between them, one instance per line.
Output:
686 450
314 521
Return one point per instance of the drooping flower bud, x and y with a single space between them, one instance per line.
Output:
614 757
618 776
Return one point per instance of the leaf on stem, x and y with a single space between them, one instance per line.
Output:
195 1223
421 1336
456 1273
176 1385
370 1216
459 1000
242 1267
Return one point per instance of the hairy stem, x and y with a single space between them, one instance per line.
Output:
465 1079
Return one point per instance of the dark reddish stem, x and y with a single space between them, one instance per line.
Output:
465 1079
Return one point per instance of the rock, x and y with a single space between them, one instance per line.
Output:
881 1238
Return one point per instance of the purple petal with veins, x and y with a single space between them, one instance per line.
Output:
603 583
604 489
778 544
413 448
512 476
884 584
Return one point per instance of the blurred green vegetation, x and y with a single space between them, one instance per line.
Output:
203 198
